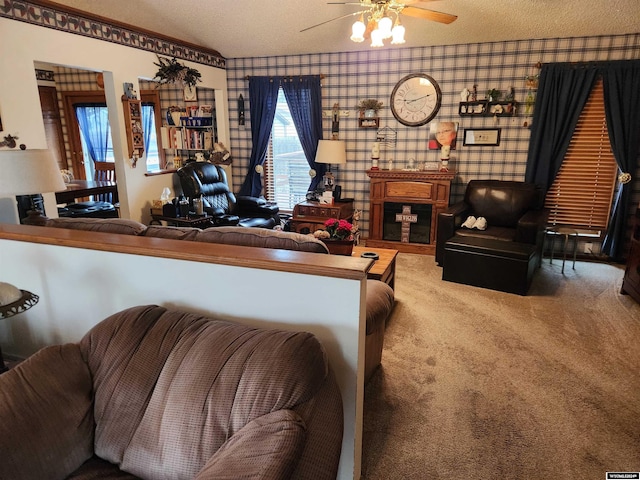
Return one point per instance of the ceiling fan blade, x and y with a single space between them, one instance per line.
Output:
428 14
410 2
333 19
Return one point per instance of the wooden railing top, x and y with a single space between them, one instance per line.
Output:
250 257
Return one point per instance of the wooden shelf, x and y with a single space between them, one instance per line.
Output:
487 109
369 122
133 125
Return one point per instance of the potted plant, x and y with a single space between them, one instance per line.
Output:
338 236
172 71
493 95
369 107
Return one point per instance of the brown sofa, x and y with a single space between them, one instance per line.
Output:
380 296
166 394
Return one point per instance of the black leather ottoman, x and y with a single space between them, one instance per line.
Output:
489 263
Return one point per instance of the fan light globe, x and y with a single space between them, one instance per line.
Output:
398 35
357 31
384 25
376 38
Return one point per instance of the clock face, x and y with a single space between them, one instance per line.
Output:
415 99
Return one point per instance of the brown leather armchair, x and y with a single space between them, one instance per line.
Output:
513 210
210 181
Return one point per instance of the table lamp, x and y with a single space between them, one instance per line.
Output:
29 172
331 152
12 302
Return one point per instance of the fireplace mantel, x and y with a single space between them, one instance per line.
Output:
404 206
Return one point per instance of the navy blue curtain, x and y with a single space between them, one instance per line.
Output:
94 125
263 97
148 125
304 99
563 90
622 109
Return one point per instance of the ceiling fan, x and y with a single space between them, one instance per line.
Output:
373 11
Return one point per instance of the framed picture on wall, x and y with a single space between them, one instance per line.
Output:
482 137
190 94
443 134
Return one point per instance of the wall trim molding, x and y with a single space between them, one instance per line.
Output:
70 20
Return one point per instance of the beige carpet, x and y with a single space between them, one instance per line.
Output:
481 384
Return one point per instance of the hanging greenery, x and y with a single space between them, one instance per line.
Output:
171 71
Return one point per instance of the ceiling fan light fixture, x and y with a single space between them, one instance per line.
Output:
376 38
398 34
384 25
357 30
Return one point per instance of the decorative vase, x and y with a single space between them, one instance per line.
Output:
369 113
339 247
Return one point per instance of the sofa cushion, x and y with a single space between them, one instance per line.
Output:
151 366
106 225
501 202
496 233
267 447
173 233
380 301
260 237
34 444
97 469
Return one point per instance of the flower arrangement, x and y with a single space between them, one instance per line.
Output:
336 230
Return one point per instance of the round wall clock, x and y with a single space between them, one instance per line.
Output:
415 99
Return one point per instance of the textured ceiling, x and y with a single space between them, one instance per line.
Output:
251 28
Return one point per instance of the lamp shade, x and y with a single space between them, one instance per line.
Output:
28 172
331 151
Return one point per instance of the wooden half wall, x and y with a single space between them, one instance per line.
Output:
83 277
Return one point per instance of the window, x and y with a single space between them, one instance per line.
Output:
286 170
95 135
88 140
150 137
581 195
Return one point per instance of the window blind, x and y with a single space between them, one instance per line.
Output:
268 178
582 192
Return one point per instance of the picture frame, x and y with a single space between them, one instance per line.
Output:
443 133
481 137
190 94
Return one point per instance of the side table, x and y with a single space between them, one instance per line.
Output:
565 233
384 268
199 221
310 216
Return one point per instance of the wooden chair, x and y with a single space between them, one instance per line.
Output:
105 172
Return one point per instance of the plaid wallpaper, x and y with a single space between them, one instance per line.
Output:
72 79
353 76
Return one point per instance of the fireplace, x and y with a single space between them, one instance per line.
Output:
403 208
407 223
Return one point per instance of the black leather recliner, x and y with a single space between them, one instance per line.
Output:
513 210
210 181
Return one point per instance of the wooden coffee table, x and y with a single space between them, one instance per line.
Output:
384 268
